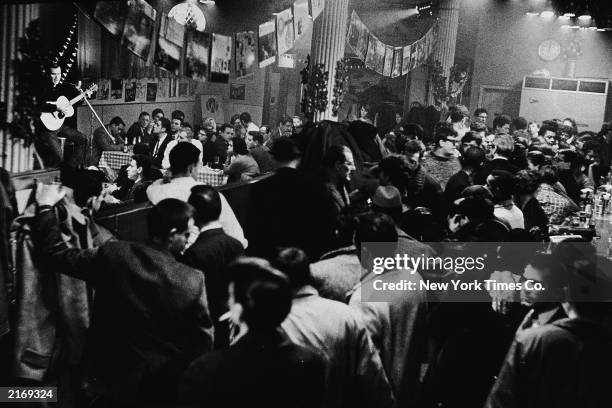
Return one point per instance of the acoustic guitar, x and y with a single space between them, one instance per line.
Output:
55 120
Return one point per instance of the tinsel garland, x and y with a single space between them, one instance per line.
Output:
69 51
314 82
341 77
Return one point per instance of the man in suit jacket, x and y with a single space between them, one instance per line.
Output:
160 141
140 131
150 314
102 141
290 208
211 253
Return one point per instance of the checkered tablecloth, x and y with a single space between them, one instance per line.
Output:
115 160
210 176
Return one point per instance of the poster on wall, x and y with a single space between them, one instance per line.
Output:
287 61
220 58
183 87
163 84
406 54
139 28
284 31
420 54
103 89
358 36
316 7
141 89
267 43
375 58
130 91
169 45
388 64
212 106
111 14
246 46
238 92
197 55
397 62
414 56
151 91
301 18
116 88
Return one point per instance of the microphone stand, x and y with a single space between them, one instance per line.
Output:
101 123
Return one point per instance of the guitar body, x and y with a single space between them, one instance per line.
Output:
55 120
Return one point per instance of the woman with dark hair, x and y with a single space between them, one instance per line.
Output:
524 189
262 367
243 165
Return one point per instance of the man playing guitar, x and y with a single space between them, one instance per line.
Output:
47 142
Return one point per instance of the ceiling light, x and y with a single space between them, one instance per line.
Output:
189 13
547 14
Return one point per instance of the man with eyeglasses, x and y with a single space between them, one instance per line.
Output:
442 163
481 116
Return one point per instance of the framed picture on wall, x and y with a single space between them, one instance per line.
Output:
130 91
169 45
246 47
112 15
220 58
139 28
238 92
267 43
116 91
301 18
197 55
151 91
284 31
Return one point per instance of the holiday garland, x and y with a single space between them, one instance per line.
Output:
314 82
341 77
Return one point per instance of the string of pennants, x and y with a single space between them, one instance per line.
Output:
203 55
385 59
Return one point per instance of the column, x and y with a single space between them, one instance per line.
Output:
328 40
446 40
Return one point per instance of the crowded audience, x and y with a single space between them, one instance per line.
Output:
260 297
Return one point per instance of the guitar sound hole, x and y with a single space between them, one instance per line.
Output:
60 115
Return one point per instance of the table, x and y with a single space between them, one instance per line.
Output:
115 160
211 176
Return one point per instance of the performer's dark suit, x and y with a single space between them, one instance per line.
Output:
47 142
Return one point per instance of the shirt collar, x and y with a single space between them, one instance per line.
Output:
210 226
305 291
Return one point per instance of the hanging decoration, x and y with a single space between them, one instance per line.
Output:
67 54
274 37
314 82
341 79
385 59
446 90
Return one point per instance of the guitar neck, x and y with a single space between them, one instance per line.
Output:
77 98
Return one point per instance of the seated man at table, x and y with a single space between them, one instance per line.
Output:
184 135
140 131
184 166
140 175
160 141
102 141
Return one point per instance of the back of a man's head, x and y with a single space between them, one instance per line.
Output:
473 157
84 183
262 291
474 208
182 156
334 154
294 263
502 184
284 150
504 145
520 123
375 227
167 217
245 117
206 202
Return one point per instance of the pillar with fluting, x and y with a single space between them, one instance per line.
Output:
328 41
446 41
